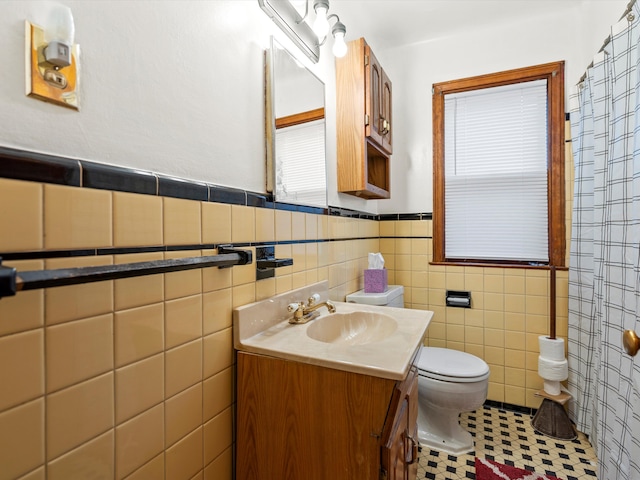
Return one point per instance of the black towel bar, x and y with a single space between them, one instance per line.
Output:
12 281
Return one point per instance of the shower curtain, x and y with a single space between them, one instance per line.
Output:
604 270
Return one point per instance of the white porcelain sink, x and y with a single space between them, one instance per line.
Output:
367 339
355 328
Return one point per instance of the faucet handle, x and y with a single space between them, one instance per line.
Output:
292 307
313 299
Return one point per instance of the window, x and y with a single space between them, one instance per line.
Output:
499 168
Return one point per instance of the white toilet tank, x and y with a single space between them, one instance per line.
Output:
393 297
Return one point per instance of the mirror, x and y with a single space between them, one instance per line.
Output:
295 130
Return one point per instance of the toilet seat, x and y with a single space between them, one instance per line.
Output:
451 365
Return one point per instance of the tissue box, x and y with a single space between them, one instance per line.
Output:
375 281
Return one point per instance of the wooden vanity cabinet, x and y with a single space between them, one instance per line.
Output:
296 420
363 123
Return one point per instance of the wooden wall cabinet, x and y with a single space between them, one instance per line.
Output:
378 95
364 123
296 420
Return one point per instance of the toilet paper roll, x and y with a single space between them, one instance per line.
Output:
553 370
553 349
552 387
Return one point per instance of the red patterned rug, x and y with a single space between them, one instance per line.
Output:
489 470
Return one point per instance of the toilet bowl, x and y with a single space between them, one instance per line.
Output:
449 382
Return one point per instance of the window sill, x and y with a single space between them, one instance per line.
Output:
527 266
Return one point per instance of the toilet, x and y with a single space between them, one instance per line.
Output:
392 297
450 382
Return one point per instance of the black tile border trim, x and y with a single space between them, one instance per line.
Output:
394 237
180 188
106 177
291 207
345 212
232 196
405 216
511 407
92 252
44 168
37 167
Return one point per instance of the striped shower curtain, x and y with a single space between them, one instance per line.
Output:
604 270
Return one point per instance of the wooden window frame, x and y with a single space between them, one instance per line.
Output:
299 118
554 74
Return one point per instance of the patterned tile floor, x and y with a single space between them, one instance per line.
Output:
508 437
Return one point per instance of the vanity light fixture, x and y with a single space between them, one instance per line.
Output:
305 34
321 24
51 58
338 31
321 27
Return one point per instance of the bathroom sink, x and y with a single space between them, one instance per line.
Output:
354 328
358 338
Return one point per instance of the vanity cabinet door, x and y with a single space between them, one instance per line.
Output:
411 446
399 460
299 421
393 455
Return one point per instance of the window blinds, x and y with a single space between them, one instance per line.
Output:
496 173
300 164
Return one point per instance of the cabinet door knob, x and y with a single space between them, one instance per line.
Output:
631 342
385 126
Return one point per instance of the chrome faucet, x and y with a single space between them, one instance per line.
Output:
303 313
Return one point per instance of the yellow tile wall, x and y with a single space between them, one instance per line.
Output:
133 378
510 308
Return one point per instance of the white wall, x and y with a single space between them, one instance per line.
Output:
173 87
573 35
176 87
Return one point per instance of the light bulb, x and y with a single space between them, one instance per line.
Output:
339 46
321 25
338 31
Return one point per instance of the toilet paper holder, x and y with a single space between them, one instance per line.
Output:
456 298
